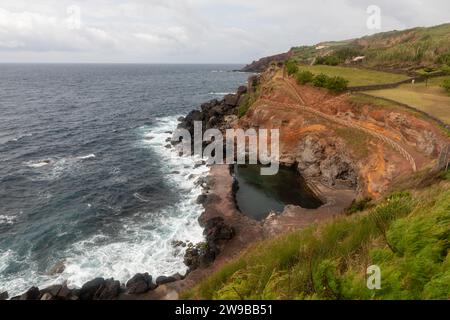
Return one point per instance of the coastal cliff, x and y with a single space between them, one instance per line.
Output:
346 148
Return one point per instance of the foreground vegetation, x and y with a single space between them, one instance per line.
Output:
407 235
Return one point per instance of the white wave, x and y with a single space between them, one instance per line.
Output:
219 93
23 136
138 196
89 156
144 244
8 220
39 164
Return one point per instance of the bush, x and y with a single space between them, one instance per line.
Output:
304 77
446 85
328 60
337 84
291 67
320 80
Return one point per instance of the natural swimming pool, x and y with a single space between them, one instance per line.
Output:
258 195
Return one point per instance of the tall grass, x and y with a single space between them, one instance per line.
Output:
407 236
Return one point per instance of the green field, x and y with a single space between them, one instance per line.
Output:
356 76
431 99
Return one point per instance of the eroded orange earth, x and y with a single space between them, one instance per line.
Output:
381 144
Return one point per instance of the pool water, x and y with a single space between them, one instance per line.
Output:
258 195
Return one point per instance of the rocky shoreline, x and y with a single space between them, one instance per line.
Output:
217 114
227 231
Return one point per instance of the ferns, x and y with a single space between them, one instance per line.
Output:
329 261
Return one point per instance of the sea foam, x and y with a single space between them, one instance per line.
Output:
144 246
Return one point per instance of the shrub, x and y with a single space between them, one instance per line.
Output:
328 60
304 77
291 67
320 80
337 84
446 85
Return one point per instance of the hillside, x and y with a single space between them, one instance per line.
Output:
407 235
384 155
404 51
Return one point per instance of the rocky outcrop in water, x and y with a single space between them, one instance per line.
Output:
4 296
140 283
217 233
263 63
219 114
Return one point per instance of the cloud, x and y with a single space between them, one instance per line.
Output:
190 30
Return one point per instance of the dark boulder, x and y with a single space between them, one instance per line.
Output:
200 255
194 115
57 268
66 294
201 199
231 100
108 291
241 90
4 296
216 229
32 294
52 290
164 280
89 289
140 283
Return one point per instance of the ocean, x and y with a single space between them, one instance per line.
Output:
86 178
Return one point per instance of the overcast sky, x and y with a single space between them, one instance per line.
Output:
191 31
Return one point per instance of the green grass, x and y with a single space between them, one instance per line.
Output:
356 76
406 235
432 99
247 101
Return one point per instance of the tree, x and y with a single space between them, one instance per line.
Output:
426 73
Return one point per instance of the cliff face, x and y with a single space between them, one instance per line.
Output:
263 63
342 143
335 141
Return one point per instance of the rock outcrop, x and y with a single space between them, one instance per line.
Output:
263 63
217 233
140 283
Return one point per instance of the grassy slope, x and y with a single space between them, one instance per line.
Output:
432 98
414 46
411 48
406 235
356 76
